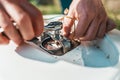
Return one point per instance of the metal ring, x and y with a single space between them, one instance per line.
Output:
77 40
70 18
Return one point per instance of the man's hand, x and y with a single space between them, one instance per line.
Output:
92 20
28 19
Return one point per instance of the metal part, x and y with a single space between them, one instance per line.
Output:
53 42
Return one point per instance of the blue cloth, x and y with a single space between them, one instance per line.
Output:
65 4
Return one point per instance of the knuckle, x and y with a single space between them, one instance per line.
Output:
89 15
23 18
29 37
37 14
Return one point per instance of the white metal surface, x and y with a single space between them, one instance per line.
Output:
86 62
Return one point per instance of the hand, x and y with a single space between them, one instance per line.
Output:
92 20
28 19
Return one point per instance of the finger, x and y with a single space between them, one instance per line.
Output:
36 17
92 30
110 25
67 25
102 29
9 29
3 39
21 18
68 21
82 26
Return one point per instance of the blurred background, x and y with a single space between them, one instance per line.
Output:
57 7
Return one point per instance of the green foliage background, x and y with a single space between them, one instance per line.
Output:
55 8
46 7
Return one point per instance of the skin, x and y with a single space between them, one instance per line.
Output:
91 16
29 21
93 21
